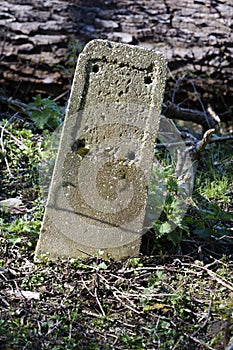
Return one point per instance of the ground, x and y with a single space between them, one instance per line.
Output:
177 294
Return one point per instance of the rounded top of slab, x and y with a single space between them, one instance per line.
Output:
124 53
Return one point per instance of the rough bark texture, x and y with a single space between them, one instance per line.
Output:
38 38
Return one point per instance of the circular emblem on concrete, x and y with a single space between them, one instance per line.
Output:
102 178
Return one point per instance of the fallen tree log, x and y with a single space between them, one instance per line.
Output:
40 41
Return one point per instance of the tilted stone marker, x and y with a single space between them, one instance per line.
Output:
98 193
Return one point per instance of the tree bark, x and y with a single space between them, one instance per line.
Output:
40 41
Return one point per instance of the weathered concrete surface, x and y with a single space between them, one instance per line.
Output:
99 187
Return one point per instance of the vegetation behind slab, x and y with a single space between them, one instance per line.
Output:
176 295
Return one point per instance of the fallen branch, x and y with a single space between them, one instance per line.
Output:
206 120
206 320
204 345
204 141
215 276
17 141
98 302
214 139
15 105
4 151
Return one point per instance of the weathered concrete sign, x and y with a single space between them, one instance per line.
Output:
98 193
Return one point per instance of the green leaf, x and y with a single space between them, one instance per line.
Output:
44 112
15 240
102 266
204 233
39 118
37 100
175 237
165 228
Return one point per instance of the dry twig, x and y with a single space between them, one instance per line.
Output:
4 150
217 278
172 111
17 141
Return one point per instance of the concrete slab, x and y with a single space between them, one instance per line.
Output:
98 193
